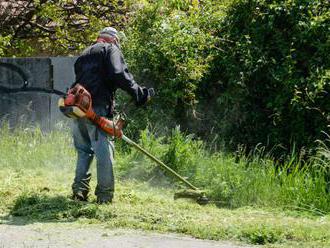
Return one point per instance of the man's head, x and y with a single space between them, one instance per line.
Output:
109 35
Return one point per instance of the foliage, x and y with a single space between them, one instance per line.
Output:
243 71
168 47
236 180
4 42
274 72
182 151
250 71
55 27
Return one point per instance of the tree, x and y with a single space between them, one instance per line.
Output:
53 27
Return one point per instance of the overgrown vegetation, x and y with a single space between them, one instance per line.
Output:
236 180
249 75
231 180
42 27
248 71
290 207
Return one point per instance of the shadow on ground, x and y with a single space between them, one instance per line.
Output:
44 208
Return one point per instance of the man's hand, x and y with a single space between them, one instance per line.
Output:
151 93
146 97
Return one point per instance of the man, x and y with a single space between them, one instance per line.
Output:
101 69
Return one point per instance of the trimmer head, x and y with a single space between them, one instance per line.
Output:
197 195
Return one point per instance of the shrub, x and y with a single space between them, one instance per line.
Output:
250 71
273 74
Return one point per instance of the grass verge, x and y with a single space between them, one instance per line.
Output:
37 170
42 195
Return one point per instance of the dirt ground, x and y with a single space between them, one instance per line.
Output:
91 236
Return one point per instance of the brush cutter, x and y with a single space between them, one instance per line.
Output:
77 103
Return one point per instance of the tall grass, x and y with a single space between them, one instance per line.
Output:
26 147
234 179
231 180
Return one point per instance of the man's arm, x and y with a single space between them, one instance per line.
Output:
122 78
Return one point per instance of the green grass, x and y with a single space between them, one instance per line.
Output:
237 180
36 171
42 195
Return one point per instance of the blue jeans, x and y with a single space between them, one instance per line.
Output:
91 141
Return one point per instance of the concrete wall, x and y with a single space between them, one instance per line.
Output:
63 77
31 108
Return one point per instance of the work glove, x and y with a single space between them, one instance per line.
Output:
148 93
151 93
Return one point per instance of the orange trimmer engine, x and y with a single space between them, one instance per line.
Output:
78 104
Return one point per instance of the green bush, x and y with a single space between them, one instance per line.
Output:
249 71
57 27
168 47
245 71
273 72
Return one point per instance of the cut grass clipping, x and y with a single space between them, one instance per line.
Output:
37 171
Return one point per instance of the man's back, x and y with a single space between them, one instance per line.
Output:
91 72
101 69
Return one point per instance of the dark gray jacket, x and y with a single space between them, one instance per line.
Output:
101 69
